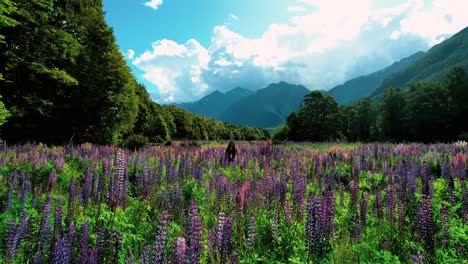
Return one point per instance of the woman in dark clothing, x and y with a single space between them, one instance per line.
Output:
231 151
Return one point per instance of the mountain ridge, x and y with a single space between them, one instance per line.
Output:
362 86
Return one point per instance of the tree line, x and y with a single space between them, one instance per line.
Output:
63 79
424 112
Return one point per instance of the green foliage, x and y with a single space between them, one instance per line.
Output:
280 133
317 117
4 113
136 141
353 90
432 66
426 111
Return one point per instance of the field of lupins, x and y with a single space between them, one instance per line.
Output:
296 203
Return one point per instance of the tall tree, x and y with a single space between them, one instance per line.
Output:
318 116
392 110
364 123
457 85
428 112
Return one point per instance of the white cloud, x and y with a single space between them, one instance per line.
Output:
175 69
130 54
296 9
155 4
319 48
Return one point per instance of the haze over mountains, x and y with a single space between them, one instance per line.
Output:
270 106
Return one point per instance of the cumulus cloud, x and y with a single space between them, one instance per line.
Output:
319 48
155 4
130 54
175 69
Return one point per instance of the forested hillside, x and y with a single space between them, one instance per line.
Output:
360 87
64 79
433 66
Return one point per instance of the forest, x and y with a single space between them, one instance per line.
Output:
421 112
64 80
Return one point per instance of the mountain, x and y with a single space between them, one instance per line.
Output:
216 102
360 87
268 107
432 66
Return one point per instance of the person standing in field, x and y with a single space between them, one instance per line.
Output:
231 151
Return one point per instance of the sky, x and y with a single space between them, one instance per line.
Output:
182 50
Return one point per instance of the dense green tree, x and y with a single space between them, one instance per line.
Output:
280 133
427 112
457 85
364 121
318 116
4 113
294 125
392 111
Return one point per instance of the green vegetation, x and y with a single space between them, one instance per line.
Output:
432 66
426 111
63 79
361 87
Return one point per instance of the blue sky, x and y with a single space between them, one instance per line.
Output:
184 49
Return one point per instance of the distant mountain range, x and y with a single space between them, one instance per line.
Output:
214 104
265 108
270 106
360 87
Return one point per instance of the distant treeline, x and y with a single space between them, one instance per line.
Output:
424 111
63 78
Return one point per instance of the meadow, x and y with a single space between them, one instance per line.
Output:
291 203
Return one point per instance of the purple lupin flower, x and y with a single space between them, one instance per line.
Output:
314 227
224 233
45 231
424 223
9 199
11 240
160 242
451 190
401 215
58 218
62 251
444 222
378 205
84 241
71 236
101 238
464 200
329 213
181 249
195 226
145 255
411 181
390 200
353 191
87 188
234 258
71 201
363 211
252 233
357 231
52 181
341 195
